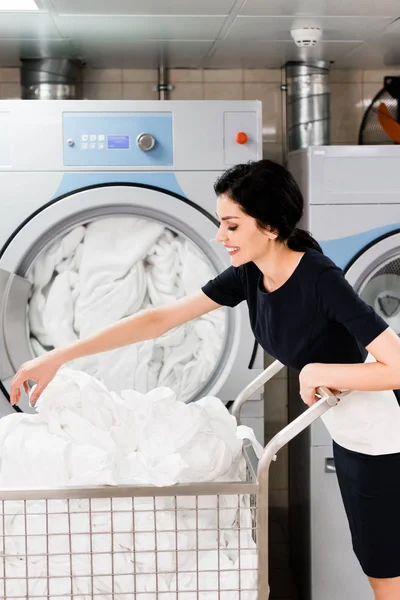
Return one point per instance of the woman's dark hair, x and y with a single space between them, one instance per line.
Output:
267 192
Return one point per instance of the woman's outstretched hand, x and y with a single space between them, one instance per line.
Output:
41 370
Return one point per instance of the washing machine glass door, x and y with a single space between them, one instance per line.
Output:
375 275
102 254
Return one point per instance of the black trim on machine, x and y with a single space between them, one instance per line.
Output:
104 185
368 246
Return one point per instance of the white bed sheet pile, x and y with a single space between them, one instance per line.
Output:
83 434
113 268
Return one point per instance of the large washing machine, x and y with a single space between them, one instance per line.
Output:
352 200
108 208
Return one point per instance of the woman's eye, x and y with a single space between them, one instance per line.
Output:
232 228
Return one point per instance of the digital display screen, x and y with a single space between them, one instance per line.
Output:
120 142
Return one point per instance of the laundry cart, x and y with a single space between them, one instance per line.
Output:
205 541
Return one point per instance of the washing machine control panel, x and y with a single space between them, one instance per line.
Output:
117 139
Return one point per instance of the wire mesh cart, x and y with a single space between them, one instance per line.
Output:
201 541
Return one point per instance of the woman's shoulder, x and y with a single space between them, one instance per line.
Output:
319 261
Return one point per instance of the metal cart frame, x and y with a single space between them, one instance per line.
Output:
256 487
282 438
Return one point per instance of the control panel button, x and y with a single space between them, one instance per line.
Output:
145 141
241 137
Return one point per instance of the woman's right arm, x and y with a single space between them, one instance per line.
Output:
146 325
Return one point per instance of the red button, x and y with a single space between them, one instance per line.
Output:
241 137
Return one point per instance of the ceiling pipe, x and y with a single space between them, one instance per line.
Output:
163 87
307 104
49 78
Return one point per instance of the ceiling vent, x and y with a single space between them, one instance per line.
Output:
49 78
307 104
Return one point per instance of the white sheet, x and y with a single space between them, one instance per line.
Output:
85 435
113 268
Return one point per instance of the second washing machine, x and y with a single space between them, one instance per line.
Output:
352 207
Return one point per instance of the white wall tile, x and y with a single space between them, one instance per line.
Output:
10 90
9 75
139 91
346 112
102 91
345 75
270 95
185 75
262 75
223 91
273 152
140 76
223 75
377 75
102 75
187 91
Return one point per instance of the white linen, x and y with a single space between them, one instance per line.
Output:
85 435
41 274
113 268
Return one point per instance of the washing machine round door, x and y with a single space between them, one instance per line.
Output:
375 275
98 255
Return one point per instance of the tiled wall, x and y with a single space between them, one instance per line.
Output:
351 93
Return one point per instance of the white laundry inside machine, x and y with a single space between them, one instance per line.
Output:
114 267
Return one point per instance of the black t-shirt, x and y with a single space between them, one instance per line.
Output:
315 316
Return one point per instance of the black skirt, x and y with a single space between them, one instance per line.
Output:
370 488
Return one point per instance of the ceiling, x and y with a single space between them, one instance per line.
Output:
203 33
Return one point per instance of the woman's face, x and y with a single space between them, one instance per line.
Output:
243 239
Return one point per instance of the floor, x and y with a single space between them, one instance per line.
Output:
281 583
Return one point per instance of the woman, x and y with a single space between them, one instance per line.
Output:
304 313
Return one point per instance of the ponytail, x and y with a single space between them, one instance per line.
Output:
300 240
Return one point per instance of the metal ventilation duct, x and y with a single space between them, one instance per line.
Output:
307 108
49 79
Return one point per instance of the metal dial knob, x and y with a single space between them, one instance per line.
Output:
145 141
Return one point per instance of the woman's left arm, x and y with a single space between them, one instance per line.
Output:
384 374
339 302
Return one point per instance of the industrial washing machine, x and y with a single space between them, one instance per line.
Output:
70 171
352 207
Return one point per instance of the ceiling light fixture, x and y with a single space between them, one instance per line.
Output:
16 5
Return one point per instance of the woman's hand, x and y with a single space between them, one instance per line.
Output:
309 384
41 370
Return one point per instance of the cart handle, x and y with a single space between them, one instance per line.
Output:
282 438
255 385
261 379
